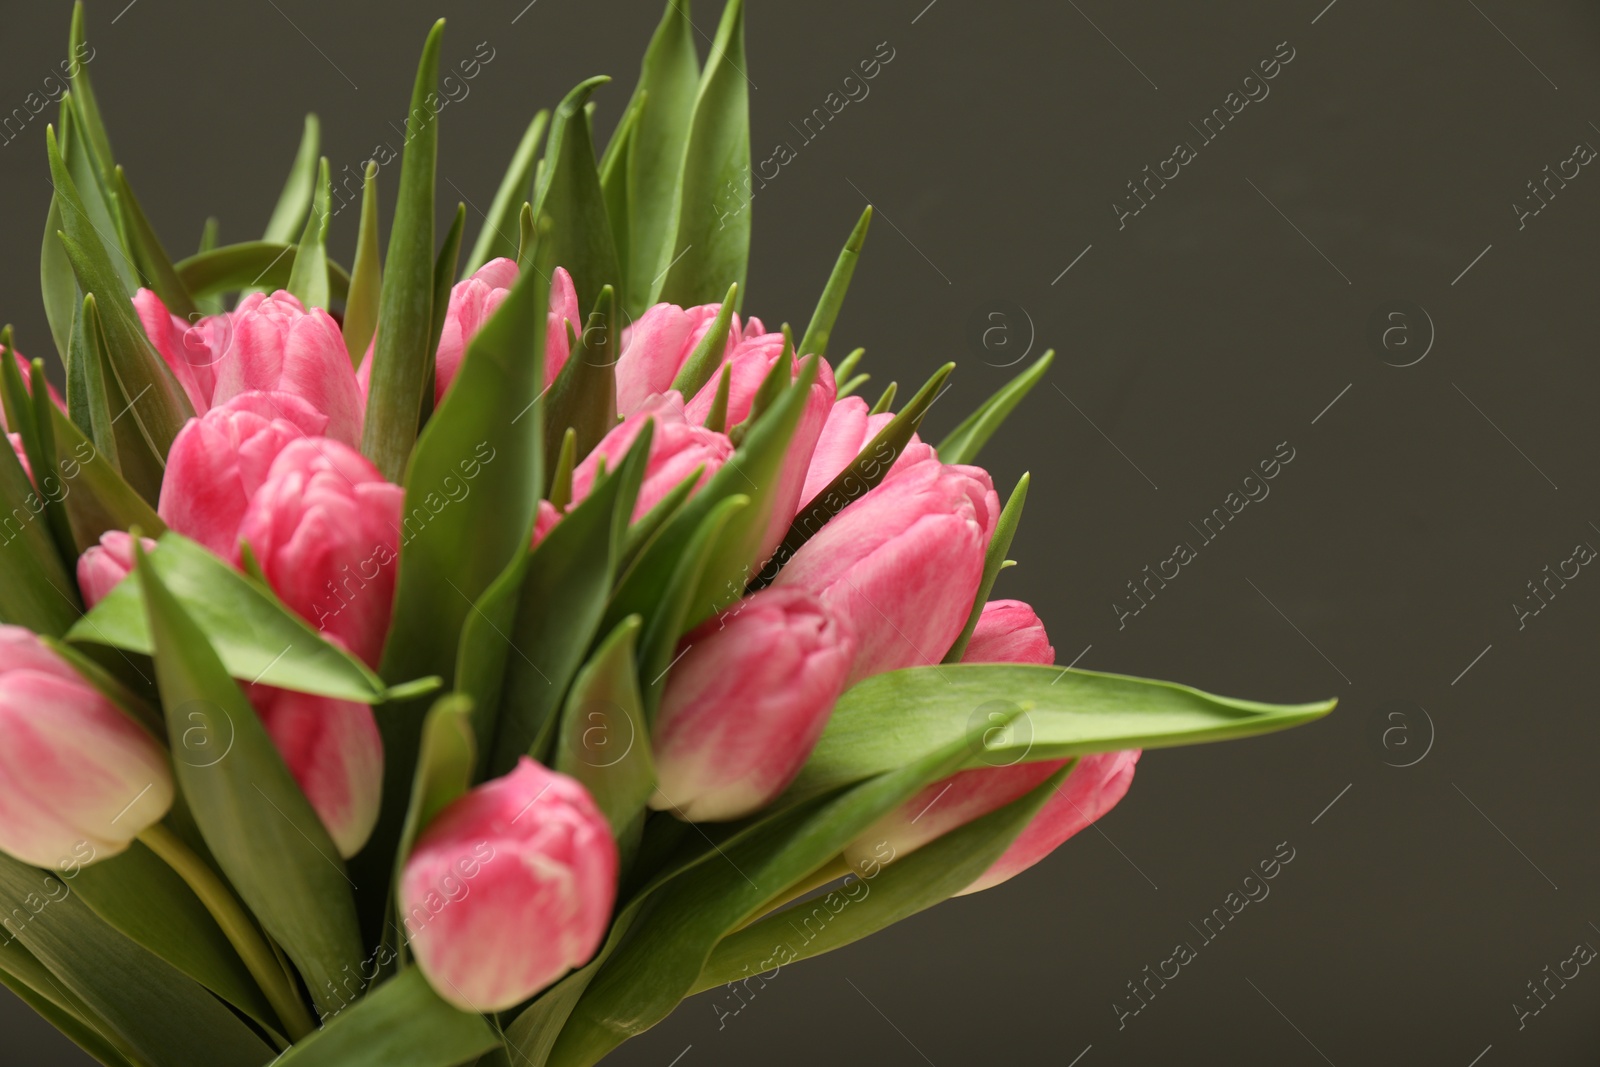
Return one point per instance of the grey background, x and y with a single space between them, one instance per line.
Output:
1220 322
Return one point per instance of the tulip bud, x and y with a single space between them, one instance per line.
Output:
1008 632
333 750
787 494
190 351
508 888
751 360
746 702
218 461
279 346
655 348
325 528
848 430
76 774
677 447
902 564
103 566
474 301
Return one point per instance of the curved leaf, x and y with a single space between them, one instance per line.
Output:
289 215
964 442
498 238
251 265
308 278
568 190
603 742
402 1023
832 299
366 275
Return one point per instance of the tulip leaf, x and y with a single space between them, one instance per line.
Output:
565 586
42 458
667 949
963 443
568 190
532 1034
827 313
603 740
711 222
256 822
162 1017
650 524
90 170
251 265
57 283
289 215
994 560
405 309
366 274
149 256
583 397
255 636
707 357
401 1023
308 278
498 238
614 167
889 719
444 270
209 305
876 896
35 589
847 367
83 93
99 498
36 987
481 661
88 398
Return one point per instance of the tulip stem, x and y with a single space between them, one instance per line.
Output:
236 925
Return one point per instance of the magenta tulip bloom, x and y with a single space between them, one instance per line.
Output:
219 460
325 528
902 564
333 750
79 779
678 447
746 702
848 430
508 888
278 346
655 348
102 567
191 352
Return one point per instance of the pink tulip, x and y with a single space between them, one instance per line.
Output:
746 702
79 779
278 346
325 527
191 352
22 454
655 348
750 361
508 888
1008 632
678 446
845 435
219 460
333 750
788 494
102 567
903 563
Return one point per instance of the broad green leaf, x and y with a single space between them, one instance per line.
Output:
254 635
583 397
99 499
402 1023
446 759
569 192
405 313
498 238
481 661
148 254
891 719
308 278
827 313
704 361
965 441
289 216
91 171
88 393
603 740
614 166
711 242
994 559
262 830
57 283
36 987
47 473
664 102
36 590
869 902
139 1001
251 265
209 305
366 275
532 1034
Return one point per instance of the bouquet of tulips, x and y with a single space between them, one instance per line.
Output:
405 670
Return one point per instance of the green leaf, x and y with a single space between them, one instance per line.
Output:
139 1001
58 284
886 400
366 275
568 190
964 442
905 886
210 305
148 254
498 238
255 820
711 246
256 638
36 987
482 657
851 385
405 315
42 458
294 202
832 299
532 1034
88 396
603 741
251 265
402 1023
91 171
847 365
614 167
36 589
891 719
560 494
99 498
583 397
994 560
703 362
527 236
446 759
444 270
664 102
79 53
308 278
717 417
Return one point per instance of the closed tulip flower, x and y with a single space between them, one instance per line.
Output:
746 703
847 431
750 361
902 564
655 348
76 773
190 351
509 888
219 460
103 566
325 528
678 446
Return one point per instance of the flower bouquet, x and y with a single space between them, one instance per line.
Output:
410 671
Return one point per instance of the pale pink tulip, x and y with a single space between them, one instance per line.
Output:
788 493
746 702
678 446
903 563
190 351
219 460
655 348
325 528
508 888
1008 631
102 567
845 436
79 779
